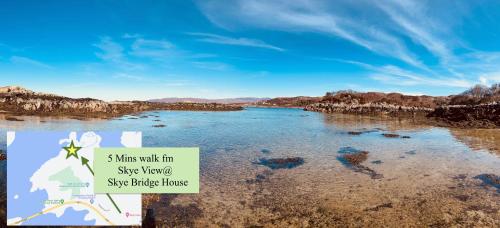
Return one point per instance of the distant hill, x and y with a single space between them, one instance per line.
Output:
240 100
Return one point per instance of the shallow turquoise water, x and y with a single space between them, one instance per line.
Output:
231 143
286 132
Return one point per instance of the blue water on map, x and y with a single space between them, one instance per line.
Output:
27 156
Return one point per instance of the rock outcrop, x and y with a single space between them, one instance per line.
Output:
482 115
371 103
20 101
478 107
300 101
368 109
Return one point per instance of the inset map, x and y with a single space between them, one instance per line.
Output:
50 180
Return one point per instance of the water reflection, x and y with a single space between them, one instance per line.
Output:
479 139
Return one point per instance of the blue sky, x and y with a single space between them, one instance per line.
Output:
122 50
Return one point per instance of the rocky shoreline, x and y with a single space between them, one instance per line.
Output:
461 116
478 107
19 101
369 109
468 116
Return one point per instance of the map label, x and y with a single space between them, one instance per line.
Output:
146 170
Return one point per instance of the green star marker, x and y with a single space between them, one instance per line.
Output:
72 149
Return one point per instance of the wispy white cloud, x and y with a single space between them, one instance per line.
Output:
394 75
410 16
218 39
128 76
156 49
397 76
131 36
216 66
308 16
110 50
412 80
28 61
490 78
113 52
176 83
158 79
202 56
414 32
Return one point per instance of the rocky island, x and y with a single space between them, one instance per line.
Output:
478 107
374 103
16 101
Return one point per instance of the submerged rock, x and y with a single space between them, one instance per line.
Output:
460 177
281 163
489 180
378 207
149 219
356 158
462 198
348 149
411 152
258 179
265 151
164 211
11 118
352 158
363 131
390 135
